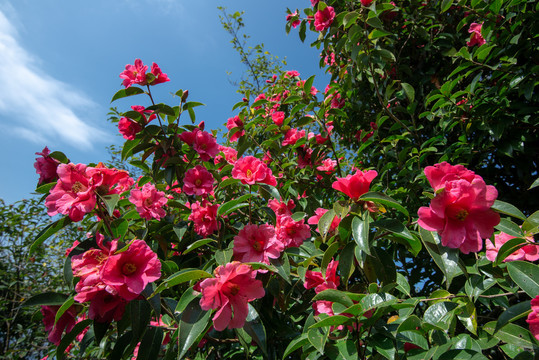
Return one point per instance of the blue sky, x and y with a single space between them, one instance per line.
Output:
60 61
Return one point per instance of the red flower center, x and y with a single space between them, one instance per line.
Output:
128 269
147 202
258 245
77 187
457 213
198 182
249 173
233 289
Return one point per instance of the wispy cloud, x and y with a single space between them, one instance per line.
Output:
34 105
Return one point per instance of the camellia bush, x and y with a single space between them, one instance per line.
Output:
389 216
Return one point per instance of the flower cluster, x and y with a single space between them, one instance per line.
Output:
136 75
110 278
75 193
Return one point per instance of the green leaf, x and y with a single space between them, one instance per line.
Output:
334 296
110 202
350 19
233 205
180 277
508 209
48 231
535 184
440 314
509 227
255 328
394 226
45 188
140 311
531 224
66 305
513 334
328 256
128 147
283 267
402 284
446 4
308 84
197 244
318 337
409 91
380 198
130 91
68 338
331 321
413 337
150 344
374 301
508 248
446 258
46 298
525 275
411 323
295 344
513 313
324 223
360 231
192 324
347 262
119 228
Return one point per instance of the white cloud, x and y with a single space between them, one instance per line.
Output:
34 105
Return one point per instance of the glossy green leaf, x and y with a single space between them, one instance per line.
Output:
70 337
66 305
525 275
445 258
119 228
380 198
509 227
446 4
150 344
360 231
324 223
508 209
508 248
295 344
233 205
255 328
193 322
197 244
318 337
409 91
180 277
334 296
440 314
531 224
331 321
46 298
130 91
110 202
513 313
48 231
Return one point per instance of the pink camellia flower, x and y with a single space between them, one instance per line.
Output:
294 18
336 101
355 185
292 136
129 271
476 38
105 307
160 77
257 244
143 112
315 279
202 141
278 118
129 128
108 181
281 208
314 2
73 194
328 166
233 123
441 173
461 214
198 181
313 220
292 73
46 167
251 170
533 318
134 74
324 18
149 202
233 287
204 215
528 252
366 2
66 322
292 233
